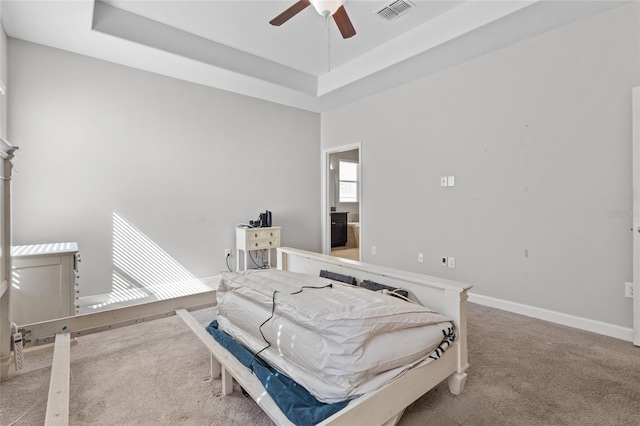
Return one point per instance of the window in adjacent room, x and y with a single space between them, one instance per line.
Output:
348 175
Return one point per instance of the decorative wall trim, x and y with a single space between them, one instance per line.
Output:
611 330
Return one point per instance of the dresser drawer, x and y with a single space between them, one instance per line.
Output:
259 234
262 244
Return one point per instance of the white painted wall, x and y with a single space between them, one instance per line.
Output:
3 81
183 163
538 136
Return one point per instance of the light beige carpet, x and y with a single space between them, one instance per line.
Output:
523 372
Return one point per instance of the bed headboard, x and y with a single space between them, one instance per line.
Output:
432 292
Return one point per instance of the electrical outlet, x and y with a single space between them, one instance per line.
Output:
373 250
420 257
628 290
227 252
451 262
443 261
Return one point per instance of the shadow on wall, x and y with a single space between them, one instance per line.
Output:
141 269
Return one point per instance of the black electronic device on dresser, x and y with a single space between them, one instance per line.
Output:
338 229
264 221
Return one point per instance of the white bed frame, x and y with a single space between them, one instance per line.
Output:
386 405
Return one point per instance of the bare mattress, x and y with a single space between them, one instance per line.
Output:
337 340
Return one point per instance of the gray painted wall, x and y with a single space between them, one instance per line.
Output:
538 136
3 78
182 163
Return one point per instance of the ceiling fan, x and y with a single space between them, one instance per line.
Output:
325 8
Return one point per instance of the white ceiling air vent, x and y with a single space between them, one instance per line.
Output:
391 11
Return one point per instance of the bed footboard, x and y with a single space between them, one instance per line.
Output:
225 364
381 407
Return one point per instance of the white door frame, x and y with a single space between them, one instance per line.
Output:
325 213
636 215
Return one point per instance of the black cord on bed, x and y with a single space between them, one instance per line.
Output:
273 310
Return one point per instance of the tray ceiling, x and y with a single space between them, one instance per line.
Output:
304 63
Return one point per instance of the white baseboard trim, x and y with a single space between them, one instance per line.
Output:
586 324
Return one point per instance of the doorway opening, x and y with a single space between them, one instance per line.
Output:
342 202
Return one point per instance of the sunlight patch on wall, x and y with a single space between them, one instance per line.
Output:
15 279
147 266
121 291
42 248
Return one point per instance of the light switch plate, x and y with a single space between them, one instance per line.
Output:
451 262
443 181
451 181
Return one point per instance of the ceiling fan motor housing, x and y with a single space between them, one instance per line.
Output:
327 7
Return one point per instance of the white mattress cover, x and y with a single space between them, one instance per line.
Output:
337 342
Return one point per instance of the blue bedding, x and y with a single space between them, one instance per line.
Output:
300 407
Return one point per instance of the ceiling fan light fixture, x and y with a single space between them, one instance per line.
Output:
327 7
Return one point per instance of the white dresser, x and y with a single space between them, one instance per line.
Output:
250 239
44 282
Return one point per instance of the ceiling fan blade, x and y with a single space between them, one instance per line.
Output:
344 23
290 13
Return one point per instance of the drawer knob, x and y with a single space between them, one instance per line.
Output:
256 244
270 243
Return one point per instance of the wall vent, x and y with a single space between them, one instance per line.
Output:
391 11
